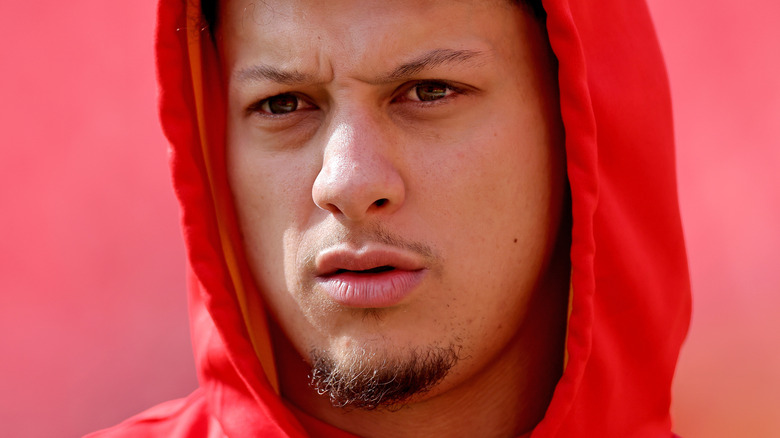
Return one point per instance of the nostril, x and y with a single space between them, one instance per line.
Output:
380 202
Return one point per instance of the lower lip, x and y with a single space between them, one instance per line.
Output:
384 289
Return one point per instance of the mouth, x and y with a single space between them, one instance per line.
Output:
371 277
377 270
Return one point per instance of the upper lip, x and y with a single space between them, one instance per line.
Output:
344 258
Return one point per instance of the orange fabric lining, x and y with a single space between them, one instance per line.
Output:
262 349
568 318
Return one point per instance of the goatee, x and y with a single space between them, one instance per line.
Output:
365 380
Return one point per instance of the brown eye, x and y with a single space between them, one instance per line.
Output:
428 91
281 104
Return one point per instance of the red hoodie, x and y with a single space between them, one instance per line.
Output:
630 302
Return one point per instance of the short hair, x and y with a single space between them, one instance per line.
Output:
209 11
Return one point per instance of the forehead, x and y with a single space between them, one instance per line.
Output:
302 32
270 10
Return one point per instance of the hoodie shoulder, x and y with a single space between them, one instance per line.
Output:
184 417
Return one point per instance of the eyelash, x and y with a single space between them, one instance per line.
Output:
262 107
451 90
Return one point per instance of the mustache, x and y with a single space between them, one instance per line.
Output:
358 237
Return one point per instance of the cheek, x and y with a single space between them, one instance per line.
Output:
489 198
273 200
492 182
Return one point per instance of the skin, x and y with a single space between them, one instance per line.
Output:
476 176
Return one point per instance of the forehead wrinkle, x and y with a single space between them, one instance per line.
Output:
429 60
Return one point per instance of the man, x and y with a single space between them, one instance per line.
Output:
380 229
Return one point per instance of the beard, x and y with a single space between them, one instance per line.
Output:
364 380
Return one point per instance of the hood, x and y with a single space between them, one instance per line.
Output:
630 300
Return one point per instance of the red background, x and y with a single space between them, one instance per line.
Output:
93 324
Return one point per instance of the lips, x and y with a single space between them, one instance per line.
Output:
373 276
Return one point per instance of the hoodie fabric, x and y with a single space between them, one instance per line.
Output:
630 301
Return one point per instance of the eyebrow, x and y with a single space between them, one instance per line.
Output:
429 60
258 73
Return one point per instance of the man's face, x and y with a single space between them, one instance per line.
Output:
398 172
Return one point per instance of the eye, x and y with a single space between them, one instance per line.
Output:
280 104
429 91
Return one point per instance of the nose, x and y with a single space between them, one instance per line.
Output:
358 178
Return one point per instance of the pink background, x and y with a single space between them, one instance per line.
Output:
93 324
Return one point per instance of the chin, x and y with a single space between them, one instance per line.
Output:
362 376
